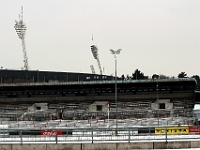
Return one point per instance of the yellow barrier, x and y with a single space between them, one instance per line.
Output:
172 130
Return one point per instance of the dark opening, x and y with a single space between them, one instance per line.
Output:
60 115
99 107
38 108
162 106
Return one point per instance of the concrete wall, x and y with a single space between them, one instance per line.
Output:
195 144
42 106
168 105
93 107
103 146
172 145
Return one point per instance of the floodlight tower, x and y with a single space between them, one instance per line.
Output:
94 50
92 68
20 28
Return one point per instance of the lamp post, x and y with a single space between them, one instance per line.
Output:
158 102
116 105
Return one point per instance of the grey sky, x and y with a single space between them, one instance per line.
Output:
156 36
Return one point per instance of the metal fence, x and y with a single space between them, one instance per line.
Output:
87 135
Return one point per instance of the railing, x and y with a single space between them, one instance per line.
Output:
89 135
96 82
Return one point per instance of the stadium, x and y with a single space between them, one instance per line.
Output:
42 95
80 109
33 95
59 107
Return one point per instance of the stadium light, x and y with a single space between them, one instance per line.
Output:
20 28
116 105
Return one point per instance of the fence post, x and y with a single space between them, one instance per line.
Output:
20 135
166 135
92 134
56 137
129 135
149 130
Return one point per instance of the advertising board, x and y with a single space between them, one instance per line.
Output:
194 129
50 132
172 130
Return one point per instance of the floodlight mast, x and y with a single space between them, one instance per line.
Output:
20 28
92 68
94 50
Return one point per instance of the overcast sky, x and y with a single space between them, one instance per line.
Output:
156 36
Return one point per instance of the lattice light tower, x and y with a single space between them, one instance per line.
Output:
20 28
92 68
94 50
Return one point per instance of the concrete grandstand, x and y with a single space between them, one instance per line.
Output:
94 100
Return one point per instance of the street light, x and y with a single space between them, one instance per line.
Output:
115 53
158 102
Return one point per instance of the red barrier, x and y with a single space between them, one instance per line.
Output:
50 132
194 129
